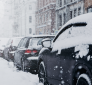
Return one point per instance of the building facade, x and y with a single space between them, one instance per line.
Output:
6 18
24 17
88 6
66 10
45 16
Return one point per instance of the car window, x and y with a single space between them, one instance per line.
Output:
79 31
71 30
62 31
9 42
35 41
23 44
16 41
65 33
19 45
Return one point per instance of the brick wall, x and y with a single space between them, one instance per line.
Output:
87 4
45 16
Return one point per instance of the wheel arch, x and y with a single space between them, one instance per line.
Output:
78 70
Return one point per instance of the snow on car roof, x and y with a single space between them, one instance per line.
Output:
83 37
40 35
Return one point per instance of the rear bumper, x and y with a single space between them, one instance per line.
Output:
11 55
31 63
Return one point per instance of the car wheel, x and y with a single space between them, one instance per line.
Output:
83 80
42 74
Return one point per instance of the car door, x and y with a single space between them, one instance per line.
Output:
57 59
20 50
64 44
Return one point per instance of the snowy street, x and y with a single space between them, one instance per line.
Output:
9 75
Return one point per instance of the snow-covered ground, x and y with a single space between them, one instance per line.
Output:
9 75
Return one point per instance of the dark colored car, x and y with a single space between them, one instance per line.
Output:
68 60
11 47
26 55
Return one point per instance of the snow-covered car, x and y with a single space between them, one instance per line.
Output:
26 55
3 43
10 48
68 60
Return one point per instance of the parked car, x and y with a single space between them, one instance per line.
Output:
26 55
68 60
11 47
3 43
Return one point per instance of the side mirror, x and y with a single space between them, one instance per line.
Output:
46 43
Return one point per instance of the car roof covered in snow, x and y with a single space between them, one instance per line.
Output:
85 19
41 36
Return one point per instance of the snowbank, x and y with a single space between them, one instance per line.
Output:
11 76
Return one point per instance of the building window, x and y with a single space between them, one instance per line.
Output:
60 3
89 9
30 30
60 20
30 7
79 10
64 18
75 12
30 19
71 0
64 2
70 14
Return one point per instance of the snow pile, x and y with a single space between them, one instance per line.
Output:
40 84
11 76
83 50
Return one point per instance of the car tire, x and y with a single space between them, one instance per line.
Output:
83 80
42 74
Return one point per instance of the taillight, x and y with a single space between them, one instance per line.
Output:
28 51
34 51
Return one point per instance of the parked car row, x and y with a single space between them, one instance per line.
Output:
23 51
26 55
10 47
64 59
